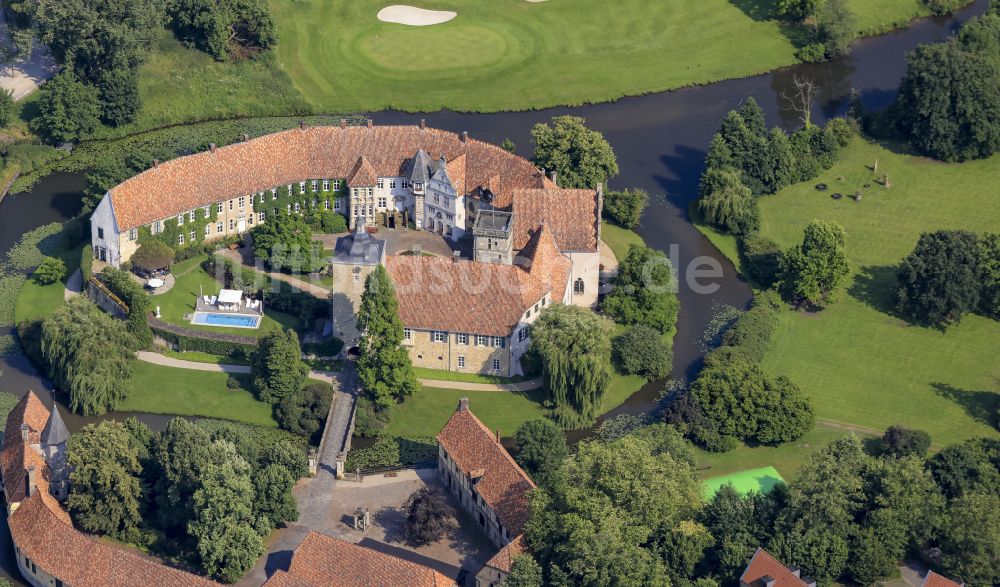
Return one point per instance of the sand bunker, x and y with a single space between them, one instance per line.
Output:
414 16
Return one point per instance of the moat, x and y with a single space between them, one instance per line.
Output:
660 141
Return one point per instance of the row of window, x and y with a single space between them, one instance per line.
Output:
536 309
495 363
462 338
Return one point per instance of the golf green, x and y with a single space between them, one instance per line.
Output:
757 480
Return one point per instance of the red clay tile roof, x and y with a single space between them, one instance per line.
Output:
320 152
502 484
15 455
43 532
764 565
573 216
456 171
282 579
492 297
362 174
504 558
542 259
935 580
322 560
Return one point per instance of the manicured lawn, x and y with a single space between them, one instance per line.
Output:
619 239
515 55
442 375
191 282
165 390
857 362
726 243
200 357
427 411
36 301
786 458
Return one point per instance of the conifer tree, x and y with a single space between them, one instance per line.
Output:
383 364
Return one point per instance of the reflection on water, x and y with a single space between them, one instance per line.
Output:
660 140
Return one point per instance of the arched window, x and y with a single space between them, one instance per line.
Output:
578 286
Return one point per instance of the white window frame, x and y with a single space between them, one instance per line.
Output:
461 361
242 202
463 338
314 184
219 228
380 183
191 216
482 340
219 208
496 365
180 239
439 336
208 211
133 234
392 183
407 334
382 202
180 220
326 185
336 185
260 216
498 342
192 236
208 229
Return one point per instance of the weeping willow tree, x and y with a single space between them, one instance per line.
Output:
574 348
86 352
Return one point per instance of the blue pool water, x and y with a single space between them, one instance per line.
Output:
230 320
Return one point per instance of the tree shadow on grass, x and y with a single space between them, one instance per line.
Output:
756 9
765 10
982 406
874 286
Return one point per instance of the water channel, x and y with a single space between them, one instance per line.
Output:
660 141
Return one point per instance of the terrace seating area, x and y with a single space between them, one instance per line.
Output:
229 300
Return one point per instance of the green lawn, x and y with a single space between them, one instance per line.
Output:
442 375
179 84
36 301
786 458
726 243
200 357
859 364
619 239
515 55
191 281
760 480
427 411
165 390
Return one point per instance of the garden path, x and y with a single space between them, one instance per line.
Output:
519 386
74 285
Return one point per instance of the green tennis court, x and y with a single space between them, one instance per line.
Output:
758 480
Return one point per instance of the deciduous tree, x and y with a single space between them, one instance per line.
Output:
50 270
541 449
813 271
625 207
574 347
69 109
428 516
939 281
641 350
581 156
644 291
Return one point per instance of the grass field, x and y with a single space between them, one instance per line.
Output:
36 301
786 458
164 390
191 282
515 55
619 239
442 375
857 362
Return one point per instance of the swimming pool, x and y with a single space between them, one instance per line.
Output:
228 320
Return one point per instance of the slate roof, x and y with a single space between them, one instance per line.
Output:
358 248
492 297
543 261
418 167
503 560
315 152
493 220
55 430
573 215
764 565
935 580
16 455
327 561
502 483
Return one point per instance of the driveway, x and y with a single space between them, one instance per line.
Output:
23 76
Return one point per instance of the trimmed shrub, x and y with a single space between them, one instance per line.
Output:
368 419
221 348
50 271
751 333
390 451
129 291
87 262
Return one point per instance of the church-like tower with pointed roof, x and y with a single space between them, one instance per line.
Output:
54 439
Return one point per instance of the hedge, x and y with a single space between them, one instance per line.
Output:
393 451
190 342
87 262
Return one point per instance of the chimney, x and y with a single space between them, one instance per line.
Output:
554 176
498 436
302 125
24 432
156 163
343 123
768 581
211 147
246 137
371 123
30 480
809 582
423 123
465 136
794 571
463 404
456 256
